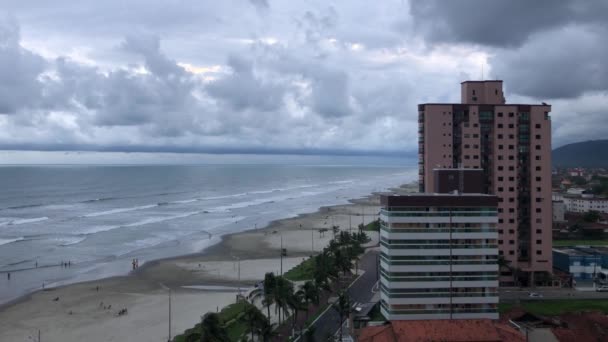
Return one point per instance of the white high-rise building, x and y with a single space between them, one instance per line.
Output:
439 254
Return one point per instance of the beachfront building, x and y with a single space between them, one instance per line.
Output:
439 253
511 144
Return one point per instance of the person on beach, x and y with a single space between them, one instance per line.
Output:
8 275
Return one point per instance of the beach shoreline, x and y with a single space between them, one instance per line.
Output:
78 310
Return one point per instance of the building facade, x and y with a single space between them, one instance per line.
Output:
439 256
585 203
582 262
511 144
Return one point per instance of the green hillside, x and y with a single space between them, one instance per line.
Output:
593 153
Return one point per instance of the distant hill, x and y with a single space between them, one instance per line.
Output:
593 153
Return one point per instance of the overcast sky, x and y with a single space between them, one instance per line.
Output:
285 76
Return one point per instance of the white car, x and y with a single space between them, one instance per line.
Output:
535 295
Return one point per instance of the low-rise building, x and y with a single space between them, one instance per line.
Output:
582 262
585 202
559 211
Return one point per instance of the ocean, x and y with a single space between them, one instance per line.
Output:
99 218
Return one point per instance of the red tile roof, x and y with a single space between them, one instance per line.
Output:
458 330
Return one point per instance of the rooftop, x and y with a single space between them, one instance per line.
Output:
458 330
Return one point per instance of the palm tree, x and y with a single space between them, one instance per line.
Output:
295 302
266 330
283 291
253 317
311 294
343 308
212 330
270 283
309 335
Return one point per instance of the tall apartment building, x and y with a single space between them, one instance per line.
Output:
439 251
511 144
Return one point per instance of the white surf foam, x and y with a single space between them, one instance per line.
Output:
7 241
18 221
119 210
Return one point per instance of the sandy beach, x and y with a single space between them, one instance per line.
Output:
199 283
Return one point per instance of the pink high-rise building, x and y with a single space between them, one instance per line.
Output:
511 143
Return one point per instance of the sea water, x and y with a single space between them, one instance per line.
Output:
100 218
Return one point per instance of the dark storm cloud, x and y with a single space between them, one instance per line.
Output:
500 23
563 63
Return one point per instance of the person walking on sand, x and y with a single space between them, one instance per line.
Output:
8 275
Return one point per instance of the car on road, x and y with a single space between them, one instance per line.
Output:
535 295
601 288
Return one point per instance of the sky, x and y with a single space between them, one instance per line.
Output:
284 77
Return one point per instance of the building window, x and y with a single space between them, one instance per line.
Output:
467 146
500 179
538 189
475 135
511 210
500 168
538 199
511 168
539 220
538 252
538 231
475 146
538 210
538 136
538 179
475 125
474 98
473 91
511 179
495 91
467 157
511 136
537 147
537 157
499 220
500 231
511 253
500 114
511 231
537 126
511 188
467 135
538 242
499 125
475 157
500 147
500 189
511 157
511 147
511 126
500 136
511 242
500 242
511 199
538 168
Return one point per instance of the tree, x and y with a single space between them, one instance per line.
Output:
269 288
283 292
591 216
343 308
253 317
266 330
212 330
295 302
311 294
309 335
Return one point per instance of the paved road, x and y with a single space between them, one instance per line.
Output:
360 291
513 295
